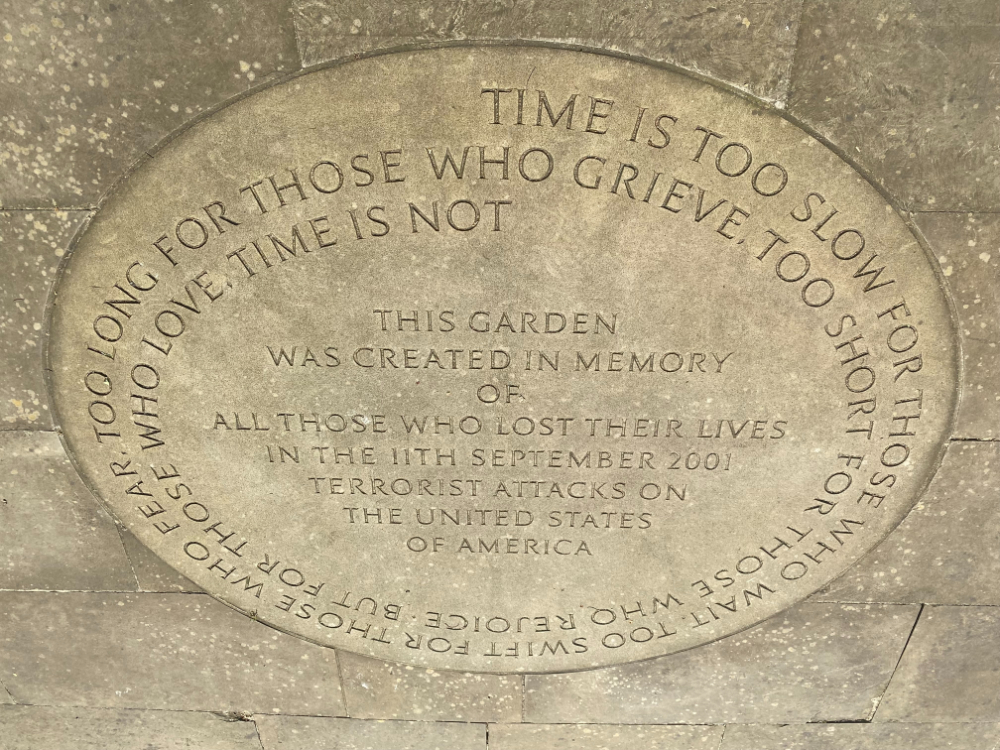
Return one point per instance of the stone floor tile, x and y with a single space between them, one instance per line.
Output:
152 573
184 652
381 690
968 247
748 44
909 89
309 733
594 737
87 87
863 737
53 533
49 728
31 246
950 670
816 662
945 551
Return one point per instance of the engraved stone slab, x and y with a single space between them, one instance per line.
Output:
75 728
768 673
597 737
894 736
314 733
141 650
503 359
951 669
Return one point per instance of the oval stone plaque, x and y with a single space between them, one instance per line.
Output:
503 359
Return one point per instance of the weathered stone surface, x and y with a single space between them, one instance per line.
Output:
53 533
31 246
945 551
310 733
980 362
817 662
379 690
968 248
341 471
592 737
951 668
862 737
908 88
152 573
88 87
184 652
49 728
745 43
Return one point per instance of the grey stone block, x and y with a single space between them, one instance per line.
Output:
182 652
816 662
945 551
593 737
968 247
50 728
379 690
32 243
310 733
87 88
53 533
951 669
152 573
908 88
863 737
745 43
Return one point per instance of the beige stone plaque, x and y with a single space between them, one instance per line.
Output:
503 359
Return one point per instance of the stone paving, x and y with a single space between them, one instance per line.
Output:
103 646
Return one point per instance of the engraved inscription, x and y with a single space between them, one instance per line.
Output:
543 362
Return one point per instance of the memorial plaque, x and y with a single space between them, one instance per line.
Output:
505 359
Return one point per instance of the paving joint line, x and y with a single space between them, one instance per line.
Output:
524 692
299 42
10 695
898 604
340 681
987 211
128 557
899 661
786 102
16 209
102 591
260 740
